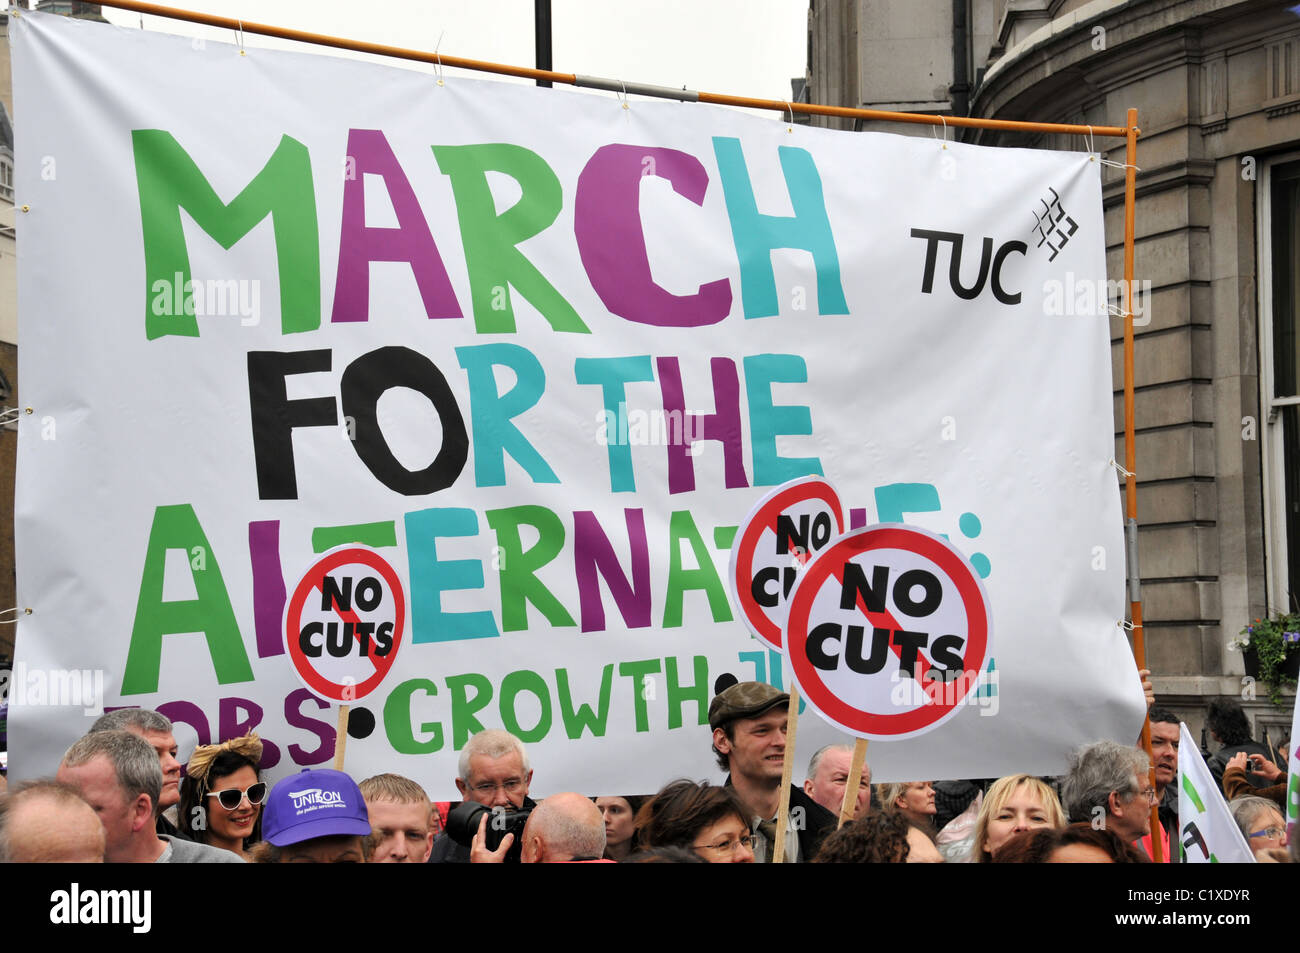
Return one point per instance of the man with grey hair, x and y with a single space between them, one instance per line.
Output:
157 730
45 822
564 828
1107 786
118 774
494 771
828 776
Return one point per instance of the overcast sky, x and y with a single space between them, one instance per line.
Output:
742 47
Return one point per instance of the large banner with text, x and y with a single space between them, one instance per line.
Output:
444 400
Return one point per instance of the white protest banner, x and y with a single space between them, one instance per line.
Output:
542 354
1207 834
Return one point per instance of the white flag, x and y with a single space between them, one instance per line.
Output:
1207 834
1293 777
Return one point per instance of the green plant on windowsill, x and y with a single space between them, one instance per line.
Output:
1273 646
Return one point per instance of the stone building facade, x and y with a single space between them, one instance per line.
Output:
1217 87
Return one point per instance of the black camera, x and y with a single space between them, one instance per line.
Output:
464 819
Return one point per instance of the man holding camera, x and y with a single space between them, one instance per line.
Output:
494 772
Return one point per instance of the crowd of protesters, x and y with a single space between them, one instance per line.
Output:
120 795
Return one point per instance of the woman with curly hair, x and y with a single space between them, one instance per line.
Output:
222 795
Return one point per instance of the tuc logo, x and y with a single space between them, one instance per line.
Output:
343 625
884 604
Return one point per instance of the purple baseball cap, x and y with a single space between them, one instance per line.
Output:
320 803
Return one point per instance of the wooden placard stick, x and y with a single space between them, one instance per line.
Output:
787 772
854 782
341 738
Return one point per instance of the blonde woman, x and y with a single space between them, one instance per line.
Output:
1013 804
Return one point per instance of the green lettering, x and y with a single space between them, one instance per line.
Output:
519 582
491 254
465 709
397 719
639 672
525 681
177 527
681 526
583 718
168 181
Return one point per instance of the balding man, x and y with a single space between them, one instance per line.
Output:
565 828
45 822
828 776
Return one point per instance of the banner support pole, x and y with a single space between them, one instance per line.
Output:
1130 456
849 805
787 773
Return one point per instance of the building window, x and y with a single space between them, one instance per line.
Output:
1280 380
6 178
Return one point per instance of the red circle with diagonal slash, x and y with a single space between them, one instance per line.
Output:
311 585
768 623
828 569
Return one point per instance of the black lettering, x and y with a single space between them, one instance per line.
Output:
954 270
363 631
371 375
817 640
879 650
786 534
369 593
932 252
331 595
384 639
855 585
789 577
337 643
274 416
821 530
910 643
946 652
1003 252
310 648
929 601
759 590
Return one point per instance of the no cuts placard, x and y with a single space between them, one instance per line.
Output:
888 632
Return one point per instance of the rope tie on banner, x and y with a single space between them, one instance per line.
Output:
1119 165
945 132
1092 152
239 38
15 611
9 416
438 56
1127 473
623 98
790 108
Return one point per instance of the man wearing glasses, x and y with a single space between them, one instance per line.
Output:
1108 787
494 771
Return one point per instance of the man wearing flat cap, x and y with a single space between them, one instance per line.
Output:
749 724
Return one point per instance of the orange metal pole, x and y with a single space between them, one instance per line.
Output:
571 79
1130 446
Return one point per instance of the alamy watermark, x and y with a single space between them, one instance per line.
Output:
229 297
54 687
1095 297
651 428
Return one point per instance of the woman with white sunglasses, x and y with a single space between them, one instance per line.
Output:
222 795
